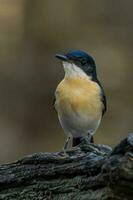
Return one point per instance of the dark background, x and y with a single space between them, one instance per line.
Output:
31 32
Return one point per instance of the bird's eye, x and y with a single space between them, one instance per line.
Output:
83 62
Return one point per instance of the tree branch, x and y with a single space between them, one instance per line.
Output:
89 172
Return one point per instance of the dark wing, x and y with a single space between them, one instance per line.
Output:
104 102
103 98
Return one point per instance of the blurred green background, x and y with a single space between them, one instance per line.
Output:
31 32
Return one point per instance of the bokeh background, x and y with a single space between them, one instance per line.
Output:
31 32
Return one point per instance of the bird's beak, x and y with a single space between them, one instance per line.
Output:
61 57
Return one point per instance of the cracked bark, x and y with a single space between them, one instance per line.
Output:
90 172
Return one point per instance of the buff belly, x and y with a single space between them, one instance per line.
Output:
79 106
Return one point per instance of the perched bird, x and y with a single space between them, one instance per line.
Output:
79 98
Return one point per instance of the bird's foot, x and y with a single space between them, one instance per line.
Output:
64 154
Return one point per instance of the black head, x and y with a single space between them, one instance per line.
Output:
82 60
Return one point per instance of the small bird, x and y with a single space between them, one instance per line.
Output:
79 98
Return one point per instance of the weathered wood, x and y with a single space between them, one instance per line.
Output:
89 172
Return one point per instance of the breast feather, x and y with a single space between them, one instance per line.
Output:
79 95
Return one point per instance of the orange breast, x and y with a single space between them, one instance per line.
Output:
79 95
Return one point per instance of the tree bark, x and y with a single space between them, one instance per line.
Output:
88 172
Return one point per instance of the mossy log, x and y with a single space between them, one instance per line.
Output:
89 172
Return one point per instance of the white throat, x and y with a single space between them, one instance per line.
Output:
72 70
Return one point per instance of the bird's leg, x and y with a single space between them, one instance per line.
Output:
90 138
66 145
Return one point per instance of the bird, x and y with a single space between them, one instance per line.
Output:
80 99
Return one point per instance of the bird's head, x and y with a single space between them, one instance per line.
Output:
78 63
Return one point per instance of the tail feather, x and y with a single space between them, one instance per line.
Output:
77 140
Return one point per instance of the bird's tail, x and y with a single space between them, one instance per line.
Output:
77 140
